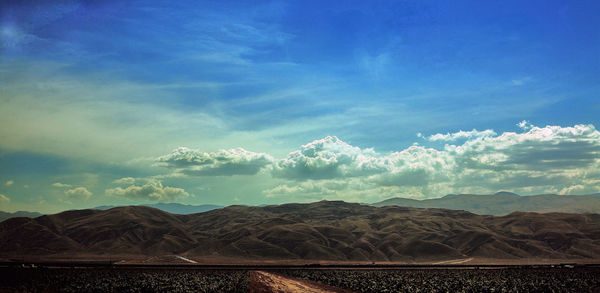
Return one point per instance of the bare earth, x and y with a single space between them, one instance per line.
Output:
263 282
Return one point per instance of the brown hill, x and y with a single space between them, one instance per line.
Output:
504 203
323 230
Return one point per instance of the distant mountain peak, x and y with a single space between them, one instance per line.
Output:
503 203
174 208
504 193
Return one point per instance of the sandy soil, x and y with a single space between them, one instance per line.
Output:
263 282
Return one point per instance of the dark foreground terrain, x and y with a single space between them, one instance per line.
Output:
121 280
458 280
370 280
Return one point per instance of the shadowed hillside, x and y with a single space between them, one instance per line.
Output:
503 203
327 230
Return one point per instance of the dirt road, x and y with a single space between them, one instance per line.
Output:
453 261
263 282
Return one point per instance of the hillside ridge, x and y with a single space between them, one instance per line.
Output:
326 230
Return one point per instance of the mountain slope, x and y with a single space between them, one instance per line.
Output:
504 203
322 230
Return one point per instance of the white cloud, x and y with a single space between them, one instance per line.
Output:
416 166
462 135
61 185
125 181
328 158
78 193
538 160
4 198
9 182
550 148
230 162
525 125
152 190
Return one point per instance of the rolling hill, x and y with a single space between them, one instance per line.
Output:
326 230
503 203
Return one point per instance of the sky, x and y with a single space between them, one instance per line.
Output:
267 102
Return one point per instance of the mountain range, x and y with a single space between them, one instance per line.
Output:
6 215
173 208
326 230
503 203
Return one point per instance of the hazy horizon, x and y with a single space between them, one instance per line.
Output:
125 103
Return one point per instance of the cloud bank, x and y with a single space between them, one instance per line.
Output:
536 160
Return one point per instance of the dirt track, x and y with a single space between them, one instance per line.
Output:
262 282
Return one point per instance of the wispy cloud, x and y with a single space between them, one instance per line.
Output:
313 89
4 198
61 185
461 135
125 181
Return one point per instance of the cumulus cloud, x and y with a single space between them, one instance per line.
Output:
9 182
152 190
61 185
230 162
328 158
331 158
4 198
125 181
525 125
78 193
550 148
538 159
461 135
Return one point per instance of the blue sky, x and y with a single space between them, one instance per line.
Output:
96 91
